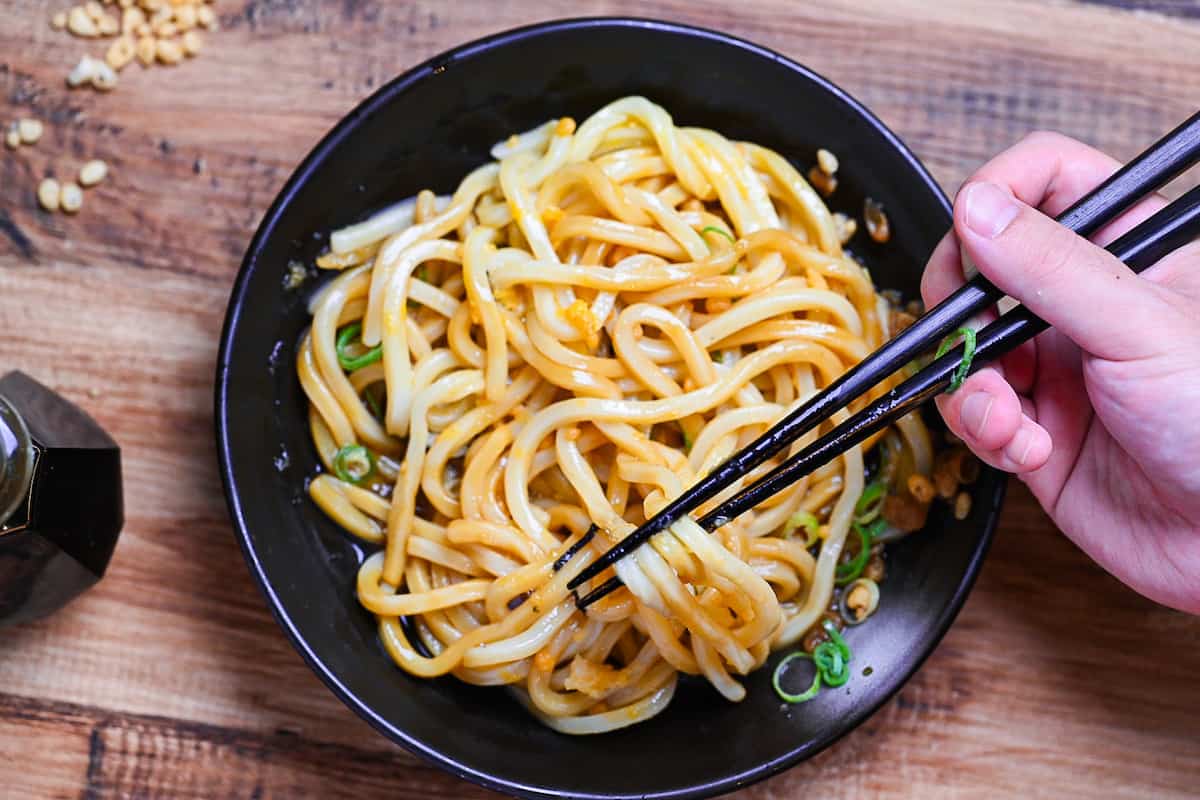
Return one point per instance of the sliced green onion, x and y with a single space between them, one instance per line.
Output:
869 504
964 366
806 520
831 661
687 440
353 464
422 273
351 363
721 231
833 658
850 571
788 697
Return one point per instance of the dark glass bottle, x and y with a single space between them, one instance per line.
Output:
60 500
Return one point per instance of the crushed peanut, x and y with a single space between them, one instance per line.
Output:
827 161
822 181
858 600
876 220
70 198
48 194
921 488
12 138
962 506
59 20
845 226
92 172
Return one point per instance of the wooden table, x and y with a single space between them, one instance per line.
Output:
171 679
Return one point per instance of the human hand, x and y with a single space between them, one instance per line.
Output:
1099 416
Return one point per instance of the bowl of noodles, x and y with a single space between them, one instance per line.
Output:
537 286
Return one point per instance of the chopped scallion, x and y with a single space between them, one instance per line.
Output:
806 520
807 694
353 464
964 366
351 363
831 661
869 503
850 571
721 231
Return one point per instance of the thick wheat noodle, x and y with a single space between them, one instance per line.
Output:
571 338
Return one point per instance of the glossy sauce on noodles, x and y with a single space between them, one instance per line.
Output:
591 321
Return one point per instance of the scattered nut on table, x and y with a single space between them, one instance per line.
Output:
92 172
192 42
150 31
70 198
30 129
104 77
83 72
48 194
131 18
120 53
80 23
168 51
145 50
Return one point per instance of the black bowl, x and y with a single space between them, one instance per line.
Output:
428 128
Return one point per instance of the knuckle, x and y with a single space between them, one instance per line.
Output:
1050 258
1044 138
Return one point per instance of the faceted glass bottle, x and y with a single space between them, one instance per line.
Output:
61 507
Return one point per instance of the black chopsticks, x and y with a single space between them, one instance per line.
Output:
1169 229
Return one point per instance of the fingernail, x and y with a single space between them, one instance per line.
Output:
975 411
968 264
988 209
1018 447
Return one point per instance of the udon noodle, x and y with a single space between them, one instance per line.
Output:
591 321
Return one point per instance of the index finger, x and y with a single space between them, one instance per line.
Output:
1050 172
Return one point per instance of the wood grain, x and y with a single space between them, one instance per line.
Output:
170 678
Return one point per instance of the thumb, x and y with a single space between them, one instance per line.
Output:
1076 286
